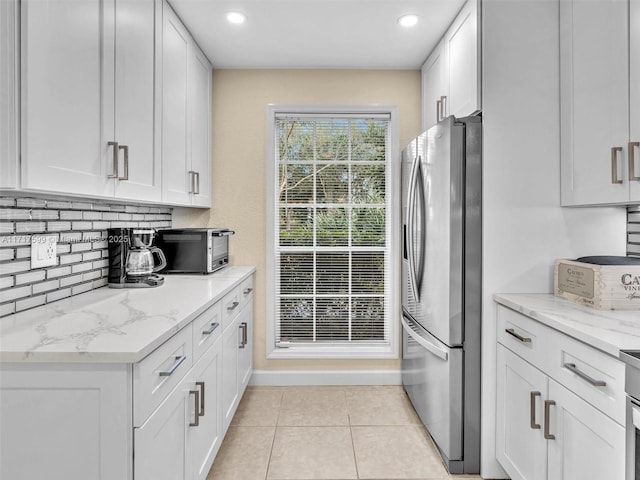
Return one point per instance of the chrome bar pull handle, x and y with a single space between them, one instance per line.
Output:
125 148
632 164
443 99
547 413
532 421
201 410
116 148
233 306
192 181
243 342
614 165
176 363
438 110
514 334
197 183
247 291
196 416
596 383
211 328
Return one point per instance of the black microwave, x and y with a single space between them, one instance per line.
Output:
194 250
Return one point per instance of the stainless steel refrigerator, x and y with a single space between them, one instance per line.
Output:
441 286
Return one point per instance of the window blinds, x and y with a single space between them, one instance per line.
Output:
332 237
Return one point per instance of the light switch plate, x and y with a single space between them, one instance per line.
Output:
43 250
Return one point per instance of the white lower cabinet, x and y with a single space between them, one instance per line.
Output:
546 430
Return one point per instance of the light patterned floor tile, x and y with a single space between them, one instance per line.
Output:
320 407
258 408
244 454
384 406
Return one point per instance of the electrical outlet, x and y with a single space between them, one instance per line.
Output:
43 250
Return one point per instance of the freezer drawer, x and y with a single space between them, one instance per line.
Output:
432 377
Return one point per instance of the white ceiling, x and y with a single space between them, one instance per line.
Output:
317 33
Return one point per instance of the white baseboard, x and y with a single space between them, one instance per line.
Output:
325 377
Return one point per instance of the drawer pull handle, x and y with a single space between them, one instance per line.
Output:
196 417
211 329
201 411
243 327
513 333
547 413
233 306
176 363
247 291
533 423
614 165
596 383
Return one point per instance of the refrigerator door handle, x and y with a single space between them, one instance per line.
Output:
433 348
423 225
410 225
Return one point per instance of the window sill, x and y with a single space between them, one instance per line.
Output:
334 352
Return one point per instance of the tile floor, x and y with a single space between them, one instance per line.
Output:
352 432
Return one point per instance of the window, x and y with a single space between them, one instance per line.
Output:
330 234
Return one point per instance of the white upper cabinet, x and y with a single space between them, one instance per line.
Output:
186 112
451 74
462 44
596 133
67 95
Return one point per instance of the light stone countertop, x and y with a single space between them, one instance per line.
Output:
606 330
110 325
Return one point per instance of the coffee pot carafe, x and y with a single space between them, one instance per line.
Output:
141 261
132 258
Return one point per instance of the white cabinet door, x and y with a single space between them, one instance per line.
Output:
67 95
434 84
520 444
634 90
200 112
594 94
135 122
588 445
205 439
245 353
176 146
231 338
160 444
66 421
462 47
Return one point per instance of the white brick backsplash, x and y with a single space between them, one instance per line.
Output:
94 255
7 309
58 272
58 295
31 202
80 225
45 286
14 267
31 227
7 254
14 214
71 215
85 287
30 302
72 280
72 258
44 214
91 275
81 267
58 226
31 277
91 215
14 293
82 248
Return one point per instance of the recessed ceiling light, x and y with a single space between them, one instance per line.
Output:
408 20
236 18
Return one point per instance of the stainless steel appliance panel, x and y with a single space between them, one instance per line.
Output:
432 377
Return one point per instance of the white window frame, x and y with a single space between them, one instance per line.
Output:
335 351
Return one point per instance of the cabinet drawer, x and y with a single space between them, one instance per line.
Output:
230 306
593 375
524 336
207 327
246 291
156 375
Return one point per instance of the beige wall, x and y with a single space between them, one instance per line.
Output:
240 99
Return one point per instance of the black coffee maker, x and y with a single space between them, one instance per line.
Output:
132 258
